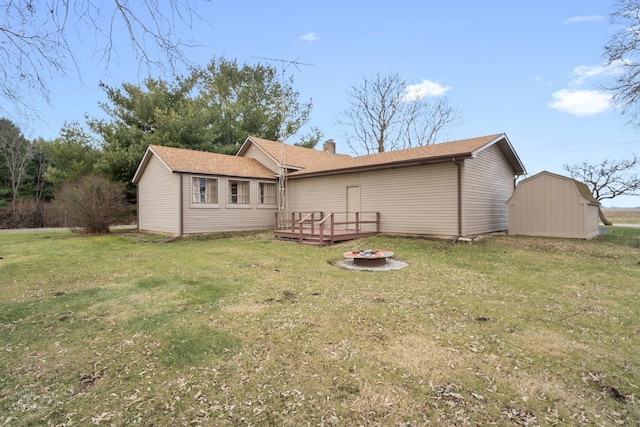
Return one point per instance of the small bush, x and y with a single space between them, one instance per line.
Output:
93 202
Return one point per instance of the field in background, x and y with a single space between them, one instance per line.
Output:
129 330
622 215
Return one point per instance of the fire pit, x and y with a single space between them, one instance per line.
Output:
369 257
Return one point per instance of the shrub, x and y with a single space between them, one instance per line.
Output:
93 202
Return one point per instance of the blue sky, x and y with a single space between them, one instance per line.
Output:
532 70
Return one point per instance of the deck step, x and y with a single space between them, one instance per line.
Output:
315 241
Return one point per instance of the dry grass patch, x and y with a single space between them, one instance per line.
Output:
423 357
549 344
243 308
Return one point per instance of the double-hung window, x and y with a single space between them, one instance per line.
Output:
204 190
267 193
238 192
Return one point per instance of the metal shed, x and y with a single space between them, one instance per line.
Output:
547 204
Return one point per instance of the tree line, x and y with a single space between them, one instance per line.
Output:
214 108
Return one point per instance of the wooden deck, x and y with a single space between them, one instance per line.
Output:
316 228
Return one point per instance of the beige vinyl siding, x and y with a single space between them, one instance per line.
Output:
226 216
158 199
256 153
488 182
592 221
411 200
549 205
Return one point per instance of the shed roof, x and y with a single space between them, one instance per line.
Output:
190 161
582 188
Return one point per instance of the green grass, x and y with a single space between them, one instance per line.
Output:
128 329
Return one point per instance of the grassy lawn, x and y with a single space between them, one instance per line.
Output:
129 330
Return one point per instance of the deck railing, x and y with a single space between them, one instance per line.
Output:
315 224
360 221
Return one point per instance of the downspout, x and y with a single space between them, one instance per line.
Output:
459 165
137 206
181 204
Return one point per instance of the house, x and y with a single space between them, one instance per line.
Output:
189 192
448 190
553 205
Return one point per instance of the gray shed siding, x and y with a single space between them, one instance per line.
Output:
158 199
488 184
550 205
225 216
411 200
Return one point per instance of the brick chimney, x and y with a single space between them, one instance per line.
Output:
329 147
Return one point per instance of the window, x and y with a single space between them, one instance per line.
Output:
204 190
267 193
238 192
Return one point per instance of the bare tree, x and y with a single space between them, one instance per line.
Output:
38 39
15 150
608 179
383 116
94 202
622 51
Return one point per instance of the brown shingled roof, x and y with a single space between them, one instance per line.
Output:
316 162
295 157
181 160
447 150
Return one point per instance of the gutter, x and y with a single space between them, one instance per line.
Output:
377 166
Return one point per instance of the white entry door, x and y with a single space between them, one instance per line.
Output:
353 204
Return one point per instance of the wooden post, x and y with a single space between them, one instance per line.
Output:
332 229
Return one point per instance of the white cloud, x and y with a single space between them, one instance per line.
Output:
583 72
309 37
581 102
423 90
577 19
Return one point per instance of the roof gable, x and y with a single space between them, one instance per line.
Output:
292 156
191 161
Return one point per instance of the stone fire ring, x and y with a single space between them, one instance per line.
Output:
369 258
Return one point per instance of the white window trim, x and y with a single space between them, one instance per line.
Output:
197 205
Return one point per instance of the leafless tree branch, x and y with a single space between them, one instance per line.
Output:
15 151
609 178
38 40
622 51
379 117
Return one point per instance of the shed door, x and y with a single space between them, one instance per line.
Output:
353 204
